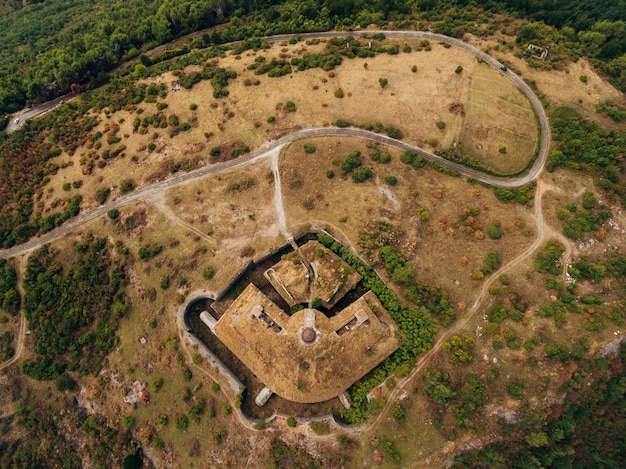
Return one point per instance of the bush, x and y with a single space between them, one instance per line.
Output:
339 93
320 428
218 434
65 383
149 251
308 149
127 185
458 70
158 383
588 200
113 213
102 195
398 413
362 174
383 82
215 151
182 422
394 133
494 230
208 273
128 422
391 180
290 106
342 123
316 303
291 422
193 106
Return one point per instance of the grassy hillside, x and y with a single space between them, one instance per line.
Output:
49 45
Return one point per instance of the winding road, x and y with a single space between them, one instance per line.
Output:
265 151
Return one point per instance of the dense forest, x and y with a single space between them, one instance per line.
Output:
586 430
73 315
50 45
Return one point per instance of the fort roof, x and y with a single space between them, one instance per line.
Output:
332 276
307 357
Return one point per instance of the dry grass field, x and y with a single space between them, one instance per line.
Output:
416 103
446 251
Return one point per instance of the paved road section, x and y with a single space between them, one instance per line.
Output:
266 150
18 119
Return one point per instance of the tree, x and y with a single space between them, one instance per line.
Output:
128 422
398 413
127 185
588 200
65 383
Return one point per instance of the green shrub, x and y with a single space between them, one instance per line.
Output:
113 213
291 422
588 200
158 383
127 185
65 383
182 422
102 195
398 413
362 174
128 422
458 70
208 273
218 434
394 133
320 428
391 180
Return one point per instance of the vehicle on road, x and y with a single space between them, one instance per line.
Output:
504 69
16 121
